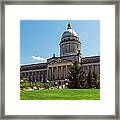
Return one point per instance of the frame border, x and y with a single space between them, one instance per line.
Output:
55 2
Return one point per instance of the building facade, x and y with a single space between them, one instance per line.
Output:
56 68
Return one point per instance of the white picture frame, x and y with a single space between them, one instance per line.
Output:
6 65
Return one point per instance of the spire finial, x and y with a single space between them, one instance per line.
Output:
69 26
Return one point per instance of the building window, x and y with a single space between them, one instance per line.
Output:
95 67
90 67
85 67
99 67
66 48
73 47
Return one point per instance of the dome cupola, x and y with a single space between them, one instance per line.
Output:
69 32
69 44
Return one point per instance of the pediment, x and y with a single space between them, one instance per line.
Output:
58 61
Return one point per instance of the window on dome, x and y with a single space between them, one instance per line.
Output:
66 48
73 47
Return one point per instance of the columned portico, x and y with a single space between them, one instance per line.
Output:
58 71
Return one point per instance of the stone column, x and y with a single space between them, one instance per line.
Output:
35 76
66 71
29 76
43 75
52 73
25 75
57 73
39 76
47 72
32 76
61 72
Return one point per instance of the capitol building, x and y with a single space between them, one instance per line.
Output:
56 68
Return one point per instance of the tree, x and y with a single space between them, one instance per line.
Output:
89 79
98 84
75 75
82 79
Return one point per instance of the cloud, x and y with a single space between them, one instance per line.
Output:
38 58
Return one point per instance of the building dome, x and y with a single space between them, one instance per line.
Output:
69 44
69 32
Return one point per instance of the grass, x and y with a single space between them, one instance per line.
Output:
61 94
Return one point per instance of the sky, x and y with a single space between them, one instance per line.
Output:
39 39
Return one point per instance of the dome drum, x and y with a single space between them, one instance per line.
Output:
69 48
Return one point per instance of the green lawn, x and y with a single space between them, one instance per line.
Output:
61 94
